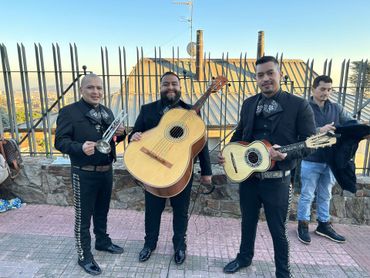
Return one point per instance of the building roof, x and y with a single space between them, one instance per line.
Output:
142 85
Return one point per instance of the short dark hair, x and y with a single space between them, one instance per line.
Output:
266 59
323 78
169 73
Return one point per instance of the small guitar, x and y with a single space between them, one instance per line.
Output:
242 159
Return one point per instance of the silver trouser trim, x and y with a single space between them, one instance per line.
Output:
77 206
286 228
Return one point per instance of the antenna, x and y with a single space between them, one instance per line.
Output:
190 20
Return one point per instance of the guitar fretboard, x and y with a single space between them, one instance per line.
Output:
292 147
198 105
215 86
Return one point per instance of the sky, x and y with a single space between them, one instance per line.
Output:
316 29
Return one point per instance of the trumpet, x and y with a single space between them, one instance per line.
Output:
103 145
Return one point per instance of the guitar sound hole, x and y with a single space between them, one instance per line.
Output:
176 132
253 157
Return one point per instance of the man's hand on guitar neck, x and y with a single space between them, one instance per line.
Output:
275 154
326 128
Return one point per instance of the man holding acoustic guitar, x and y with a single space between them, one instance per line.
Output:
154 157
282 119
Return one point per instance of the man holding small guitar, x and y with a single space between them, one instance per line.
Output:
282 119
149 118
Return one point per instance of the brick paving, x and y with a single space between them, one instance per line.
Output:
37 241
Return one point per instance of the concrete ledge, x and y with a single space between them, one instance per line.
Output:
41 182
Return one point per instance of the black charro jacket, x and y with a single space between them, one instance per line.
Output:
75 126
294 124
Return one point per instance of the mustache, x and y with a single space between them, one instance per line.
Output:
172 90
164 93
266 83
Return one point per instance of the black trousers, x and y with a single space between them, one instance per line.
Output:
92 193
154 207
275 196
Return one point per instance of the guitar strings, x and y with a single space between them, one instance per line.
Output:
166 146
161 147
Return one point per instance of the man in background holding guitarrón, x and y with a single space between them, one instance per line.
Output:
316 175
282 119
149 117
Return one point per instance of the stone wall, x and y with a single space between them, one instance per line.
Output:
42 182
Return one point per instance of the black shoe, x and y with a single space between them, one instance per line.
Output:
234 266
90 267
303 233
114 249
180 256
144 254
325 229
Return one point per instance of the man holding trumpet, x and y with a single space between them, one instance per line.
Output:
79 127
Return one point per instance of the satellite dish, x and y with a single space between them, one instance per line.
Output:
191 49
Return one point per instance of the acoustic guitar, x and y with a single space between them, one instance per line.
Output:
242 159
163 159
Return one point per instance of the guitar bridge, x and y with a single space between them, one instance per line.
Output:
156 157
234 163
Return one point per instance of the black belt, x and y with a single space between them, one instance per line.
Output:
272 174
94 168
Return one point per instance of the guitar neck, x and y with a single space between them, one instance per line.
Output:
292 147
198 105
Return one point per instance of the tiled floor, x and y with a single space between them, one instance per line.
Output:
37 241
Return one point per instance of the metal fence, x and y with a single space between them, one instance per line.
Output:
31 99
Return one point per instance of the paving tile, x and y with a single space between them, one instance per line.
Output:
38 241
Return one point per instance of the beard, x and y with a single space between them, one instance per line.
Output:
268 92
169 99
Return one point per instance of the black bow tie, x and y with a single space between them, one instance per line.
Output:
99 116
268 107
167 108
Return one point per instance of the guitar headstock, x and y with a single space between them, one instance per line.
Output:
217 84
321 140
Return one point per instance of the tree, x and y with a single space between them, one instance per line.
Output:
356 67
21 116
4 117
